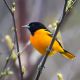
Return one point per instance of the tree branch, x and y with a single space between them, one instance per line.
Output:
12 14
52 42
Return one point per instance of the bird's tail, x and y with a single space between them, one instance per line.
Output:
68 55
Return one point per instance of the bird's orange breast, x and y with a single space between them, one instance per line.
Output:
41 40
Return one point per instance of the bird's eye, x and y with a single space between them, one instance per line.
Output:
33 25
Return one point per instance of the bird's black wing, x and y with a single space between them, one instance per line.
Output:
51 35
47 30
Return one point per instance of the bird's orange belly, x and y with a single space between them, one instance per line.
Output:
41 46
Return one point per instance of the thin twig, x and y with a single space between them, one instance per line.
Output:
52 42
7 61
20 66
12 13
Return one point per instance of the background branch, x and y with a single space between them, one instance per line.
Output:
12 14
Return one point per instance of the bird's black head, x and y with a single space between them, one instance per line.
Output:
33 26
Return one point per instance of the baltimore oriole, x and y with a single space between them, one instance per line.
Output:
41 37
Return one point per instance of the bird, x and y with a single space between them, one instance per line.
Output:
41 37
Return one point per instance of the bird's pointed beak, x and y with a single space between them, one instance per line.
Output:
26 26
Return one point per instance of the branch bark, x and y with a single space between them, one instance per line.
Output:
51 44
17 45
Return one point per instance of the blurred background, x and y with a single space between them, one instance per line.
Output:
47 12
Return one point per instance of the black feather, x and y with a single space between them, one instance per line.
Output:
51 35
